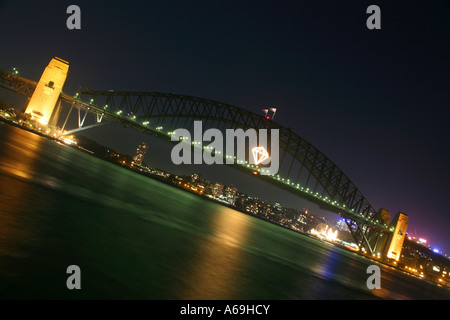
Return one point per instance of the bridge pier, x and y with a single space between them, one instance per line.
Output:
47 92
397 237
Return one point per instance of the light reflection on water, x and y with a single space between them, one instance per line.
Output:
213 274
137 238
17 158
20 153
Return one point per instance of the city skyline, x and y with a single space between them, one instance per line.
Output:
218 188
358 104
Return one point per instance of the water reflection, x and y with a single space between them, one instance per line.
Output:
137 240
389 285
20 152
218 260
336 276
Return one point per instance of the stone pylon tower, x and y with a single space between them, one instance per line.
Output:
400 224
48 89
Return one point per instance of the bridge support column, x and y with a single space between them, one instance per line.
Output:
48 90
396 239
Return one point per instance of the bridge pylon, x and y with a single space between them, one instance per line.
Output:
46 95
397 237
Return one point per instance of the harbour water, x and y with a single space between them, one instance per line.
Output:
137 238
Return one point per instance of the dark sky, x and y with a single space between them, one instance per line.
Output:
374 101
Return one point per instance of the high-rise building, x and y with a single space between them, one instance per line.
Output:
395 242
140 153
217 189
230 193
48 89
278 207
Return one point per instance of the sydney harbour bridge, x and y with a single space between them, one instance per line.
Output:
303 169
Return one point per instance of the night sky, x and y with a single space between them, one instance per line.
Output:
374 101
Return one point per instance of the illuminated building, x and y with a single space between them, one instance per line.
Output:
194 177
253 208
395 242
342 225
230 193
217 189
140 153
48 89
325 233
